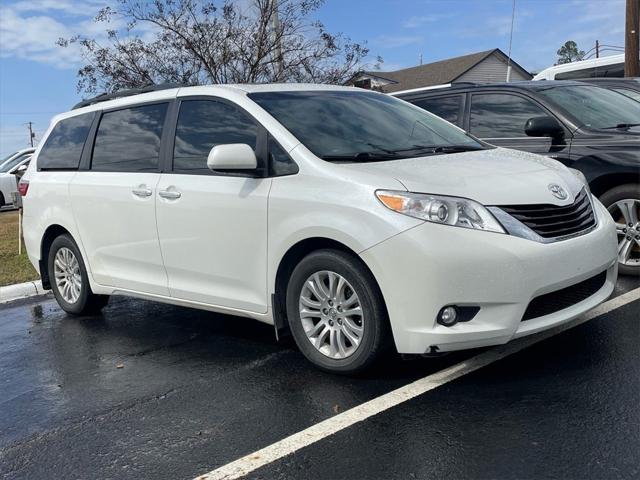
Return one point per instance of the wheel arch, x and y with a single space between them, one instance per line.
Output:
288 262
606 182
50 234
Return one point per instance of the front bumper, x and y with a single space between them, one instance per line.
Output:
430 266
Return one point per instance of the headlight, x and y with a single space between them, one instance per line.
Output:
458 212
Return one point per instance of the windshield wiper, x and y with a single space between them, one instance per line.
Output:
456 148
623 126
362 157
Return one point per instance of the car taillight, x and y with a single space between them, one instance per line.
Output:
23 187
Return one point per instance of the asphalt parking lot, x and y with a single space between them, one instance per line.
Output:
148 390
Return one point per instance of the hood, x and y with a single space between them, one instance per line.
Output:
492 177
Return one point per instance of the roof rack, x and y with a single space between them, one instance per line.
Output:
103 97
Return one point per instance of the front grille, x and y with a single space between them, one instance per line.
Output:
561 299
552 221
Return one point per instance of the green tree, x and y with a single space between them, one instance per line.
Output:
569 52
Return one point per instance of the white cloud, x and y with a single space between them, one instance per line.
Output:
76 8
34 36
395 41
420 20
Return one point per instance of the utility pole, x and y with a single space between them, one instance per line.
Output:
420 58
31 134
597 49
631 46
278 40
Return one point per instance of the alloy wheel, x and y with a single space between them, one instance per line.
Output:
67 275
331 314
626 214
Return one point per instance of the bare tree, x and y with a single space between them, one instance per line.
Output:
198 42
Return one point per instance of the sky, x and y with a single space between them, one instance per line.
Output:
38 79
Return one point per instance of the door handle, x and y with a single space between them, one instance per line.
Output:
142 191
169 194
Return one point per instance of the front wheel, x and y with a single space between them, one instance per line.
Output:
336 313
69 279
623 203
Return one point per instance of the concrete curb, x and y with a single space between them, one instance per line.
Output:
21 290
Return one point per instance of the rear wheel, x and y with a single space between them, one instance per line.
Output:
336 312
2 201
623 203
69 279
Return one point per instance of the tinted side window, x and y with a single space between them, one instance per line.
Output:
128 140
203 124
498 115
280 162
64 145
447 108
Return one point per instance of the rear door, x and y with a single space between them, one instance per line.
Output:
447 107
213 225
114 200
499 118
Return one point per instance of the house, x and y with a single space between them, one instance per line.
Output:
482 67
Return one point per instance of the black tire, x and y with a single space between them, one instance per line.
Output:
1 200
87 302
376 333
608 199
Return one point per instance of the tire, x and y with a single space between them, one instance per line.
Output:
345 357
613 199
76 301
1 200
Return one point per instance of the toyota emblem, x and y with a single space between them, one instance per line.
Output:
558 191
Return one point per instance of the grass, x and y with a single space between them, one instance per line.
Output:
14 268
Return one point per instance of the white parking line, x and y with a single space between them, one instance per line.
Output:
308 436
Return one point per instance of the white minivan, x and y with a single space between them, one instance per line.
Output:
350 218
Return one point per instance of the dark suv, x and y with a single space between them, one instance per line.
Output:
592 129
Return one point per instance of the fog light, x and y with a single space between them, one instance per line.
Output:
448 316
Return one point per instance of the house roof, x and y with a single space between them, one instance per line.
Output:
436 73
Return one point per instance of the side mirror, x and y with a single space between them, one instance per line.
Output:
21 169
543 127
233 156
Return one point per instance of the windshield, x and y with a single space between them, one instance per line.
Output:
629 93
362 126
594 107
5 167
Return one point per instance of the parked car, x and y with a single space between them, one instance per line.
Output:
349 217
609 66
9 166
589 128
627 86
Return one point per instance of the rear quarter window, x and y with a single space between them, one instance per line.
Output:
63 147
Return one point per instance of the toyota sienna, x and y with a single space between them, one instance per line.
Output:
350 218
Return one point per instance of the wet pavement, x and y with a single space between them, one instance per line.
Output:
149 390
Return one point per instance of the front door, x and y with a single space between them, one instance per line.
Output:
213 226
500 118
114 202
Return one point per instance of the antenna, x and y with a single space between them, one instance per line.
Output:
513 16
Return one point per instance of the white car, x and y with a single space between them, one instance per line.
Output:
350 218
9 166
